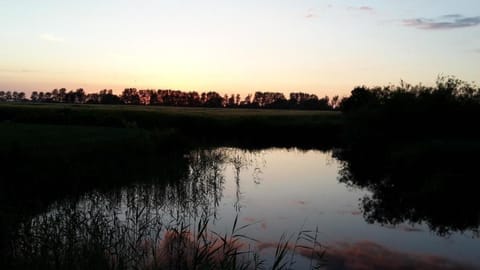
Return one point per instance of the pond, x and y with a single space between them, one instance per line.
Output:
257 201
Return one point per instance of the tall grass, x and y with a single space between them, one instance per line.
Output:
97 235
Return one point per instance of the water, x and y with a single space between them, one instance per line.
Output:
275 192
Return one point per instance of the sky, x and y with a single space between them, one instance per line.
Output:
315 46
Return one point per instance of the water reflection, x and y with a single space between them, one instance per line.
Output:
370 255
417 185
154 224
195 216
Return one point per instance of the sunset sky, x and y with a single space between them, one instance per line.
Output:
321 47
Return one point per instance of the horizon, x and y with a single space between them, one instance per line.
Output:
118 92
324 48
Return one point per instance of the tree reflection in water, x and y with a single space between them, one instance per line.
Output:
433 183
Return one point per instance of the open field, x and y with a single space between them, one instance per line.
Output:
220 113
195 123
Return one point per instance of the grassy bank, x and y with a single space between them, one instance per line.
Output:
47 160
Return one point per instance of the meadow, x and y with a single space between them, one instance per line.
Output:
212 125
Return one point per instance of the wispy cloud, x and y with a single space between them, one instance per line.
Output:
20 70
51 38
452 16
362 8
311 13
449 21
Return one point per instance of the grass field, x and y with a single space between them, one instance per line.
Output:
195 123
218 113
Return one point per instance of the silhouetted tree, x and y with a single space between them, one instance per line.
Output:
335 102
41 96
214 100
62 93
69 97
8 96
144 96
361 97
92 98
269 100
405 112
18 96
130 96
54 95
231 102
34 96
247 102
154 98
305 101
107 97
79 96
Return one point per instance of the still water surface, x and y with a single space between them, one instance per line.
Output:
275 191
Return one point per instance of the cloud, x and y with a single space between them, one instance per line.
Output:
311 13
362 8
365 8
449 21
21 70
51 38
451 16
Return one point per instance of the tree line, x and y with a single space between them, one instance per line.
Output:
9 96
449 109
448 93
132 96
